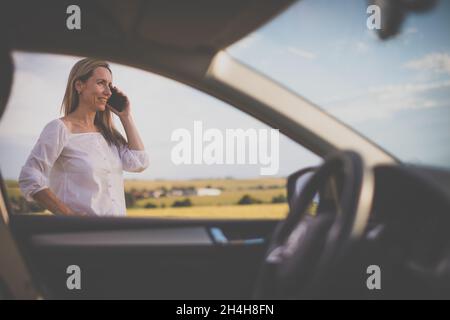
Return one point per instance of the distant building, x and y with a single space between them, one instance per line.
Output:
176 193
208 192
157 194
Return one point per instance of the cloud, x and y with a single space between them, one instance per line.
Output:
434 62
302 53
361 47
373 107
408 88
431 104
385 101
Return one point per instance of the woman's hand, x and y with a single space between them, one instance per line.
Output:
126 112
73 213
77 214
133 138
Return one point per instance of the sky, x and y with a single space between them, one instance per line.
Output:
395 92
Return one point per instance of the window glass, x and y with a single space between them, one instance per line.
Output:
160 107
395 92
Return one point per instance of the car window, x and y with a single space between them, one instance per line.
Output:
394 91
189 176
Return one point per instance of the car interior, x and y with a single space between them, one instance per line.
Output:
371 209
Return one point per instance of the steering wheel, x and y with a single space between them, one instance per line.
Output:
305 247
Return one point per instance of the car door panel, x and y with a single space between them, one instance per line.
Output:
144 258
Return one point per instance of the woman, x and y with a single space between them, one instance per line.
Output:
75 168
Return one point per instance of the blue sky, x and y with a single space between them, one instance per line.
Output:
396 92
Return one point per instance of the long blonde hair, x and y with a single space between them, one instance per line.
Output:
83 70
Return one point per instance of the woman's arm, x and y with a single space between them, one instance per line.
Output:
134 157
134 140
47 199
33 178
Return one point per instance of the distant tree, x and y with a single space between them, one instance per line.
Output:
130 200
279 199
150 205
23 205
15 204
13 200
247 199
182 203
35 207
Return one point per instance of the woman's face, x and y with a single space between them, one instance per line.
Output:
95 92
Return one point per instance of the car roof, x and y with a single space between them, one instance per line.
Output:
180 24
174 38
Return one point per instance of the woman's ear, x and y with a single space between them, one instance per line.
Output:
79 85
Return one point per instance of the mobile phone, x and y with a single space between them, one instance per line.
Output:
117 101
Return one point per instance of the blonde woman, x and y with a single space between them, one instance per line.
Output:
75 167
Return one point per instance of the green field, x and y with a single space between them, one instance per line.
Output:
14 192
223 206
225 198
226 184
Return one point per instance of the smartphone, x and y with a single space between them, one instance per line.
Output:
117 101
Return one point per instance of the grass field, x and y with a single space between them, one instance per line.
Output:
226 198
14 192
255 211
233 190
226 184
11 183
223 206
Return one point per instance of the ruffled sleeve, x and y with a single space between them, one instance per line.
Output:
133 160
34 174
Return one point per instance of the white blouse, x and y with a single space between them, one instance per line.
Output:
81 169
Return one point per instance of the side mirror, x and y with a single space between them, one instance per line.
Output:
394 12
